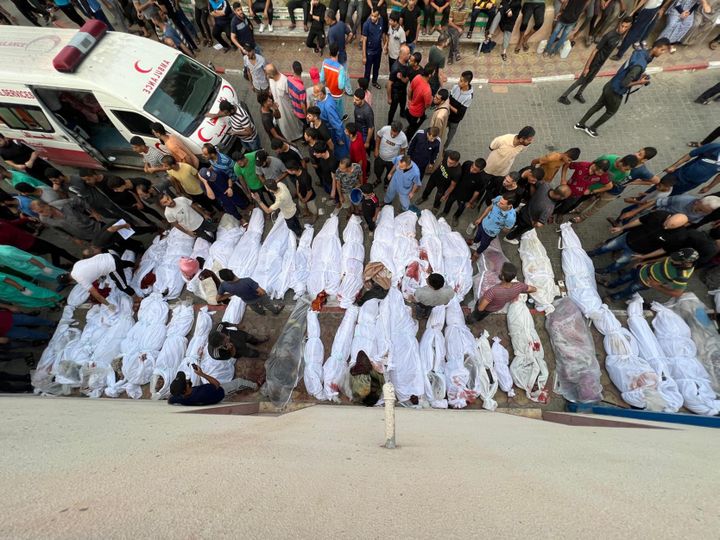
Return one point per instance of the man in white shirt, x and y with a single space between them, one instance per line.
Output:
396 37
390 142
86 272
283 202
505 148
185 215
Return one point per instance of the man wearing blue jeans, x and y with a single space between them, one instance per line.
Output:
499 216
15 325
669 276
405 180
644 235
565 21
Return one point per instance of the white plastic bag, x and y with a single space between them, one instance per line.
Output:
501 361
528 368
537 271
313 357
324 274
336 371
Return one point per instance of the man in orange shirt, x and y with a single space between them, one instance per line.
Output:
175 146
420 98
554 161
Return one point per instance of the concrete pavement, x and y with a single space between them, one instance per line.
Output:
120 469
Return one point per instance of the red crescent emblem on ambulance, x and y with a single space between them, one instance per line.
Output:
141 70
202 137
224 86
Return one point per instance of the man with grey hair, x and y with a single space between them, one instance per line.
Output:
288 123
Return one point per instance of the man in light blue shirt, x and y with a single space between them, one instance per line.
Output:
496 217
695 208
404 183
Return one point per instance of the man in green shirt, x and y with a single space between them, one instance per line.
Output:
619 173
15 177
436 61
669 276
245 168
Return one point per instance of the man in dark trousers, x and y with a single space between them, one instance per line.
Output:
626 81
397 84
469 188
374 39
595 61
449 171
227 341
538 211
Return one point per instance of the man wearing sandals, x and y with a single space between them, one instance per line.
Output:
618 171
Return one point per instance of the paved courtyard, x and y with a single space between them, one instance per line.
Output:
661 115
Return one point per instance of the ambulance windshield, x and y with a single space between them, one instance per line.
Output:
184 95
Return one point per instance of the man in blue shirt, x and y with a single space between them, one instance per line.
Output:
327 112
499 216
220 162
690 174
404 183
247 290
337 32
695 208
627 80
373 43
182 392
424 149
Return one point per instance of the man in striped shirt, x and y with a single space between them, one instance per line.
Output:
152 157
297 93
240 124
670 276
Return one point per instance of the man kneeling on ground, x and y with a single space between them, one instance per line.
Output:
435 293
498 296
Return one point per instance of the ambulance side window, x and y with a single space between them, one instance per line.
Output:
28 117
134 122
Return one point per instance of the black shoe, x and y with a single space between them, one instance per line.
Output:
579 97
345 117
563 100
376 85
579 126
590 131
616 58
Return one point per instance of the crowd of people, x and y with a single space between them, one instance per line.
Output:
323 159
391 23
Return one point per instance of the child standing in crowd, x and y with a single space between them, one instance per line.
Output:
370 206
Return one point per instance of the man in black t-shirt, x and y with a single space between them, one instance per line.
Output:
21 157
326 164
409 16
640 236
241 28
467 189
286 153
397 84
602 51
305 192
448 171
124 194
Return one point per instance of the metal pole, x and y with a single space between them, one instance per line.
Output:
389 397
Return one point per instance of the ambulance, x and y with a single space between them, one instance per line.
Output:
78 97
